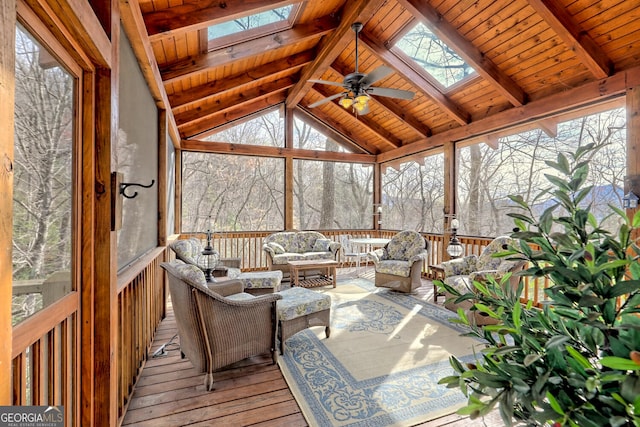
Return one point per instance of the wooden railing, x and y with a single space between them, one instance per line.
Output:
248 247
141 307
533 287
45 367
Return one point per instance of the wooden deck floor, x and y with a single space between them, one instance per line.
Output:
252 393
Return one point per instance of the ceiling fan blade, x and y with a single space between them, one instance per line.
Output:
379 73
325 100
391 93
327 82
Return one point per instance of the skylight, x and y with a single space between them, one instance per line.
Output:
434 56
251 26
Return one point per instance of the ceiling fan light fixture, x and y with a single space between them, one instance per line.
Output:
360 107
362 99
346 102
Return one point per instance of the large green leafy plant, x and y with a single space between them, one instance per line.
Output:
575 361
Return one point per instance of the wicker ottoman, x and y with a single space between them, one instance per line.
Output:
301 308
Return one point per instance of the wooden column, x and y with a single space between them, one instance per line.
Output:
632 180
288 192
87 250
449 150
288 168
7 89
162 177
377 194
177 201
105 309
288 128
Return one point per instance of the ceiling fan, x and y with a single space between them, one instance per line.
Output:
357 86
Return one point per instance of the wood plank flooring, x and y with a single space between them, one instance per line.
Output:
251 393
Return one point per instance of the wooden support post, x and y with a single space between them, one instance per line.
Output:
105 298
288 193
449 194
288 128
7 89
288 167
377 195
87 250
162 177
632 181
177 208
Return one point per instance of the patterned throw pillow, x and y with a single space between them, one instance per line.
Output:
321 245
277 247
192 273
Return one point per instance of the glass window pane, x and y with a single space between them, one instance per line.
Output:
332 195
413 196
42 193
249 22
266 130
434 56
487 176
238 193
308 138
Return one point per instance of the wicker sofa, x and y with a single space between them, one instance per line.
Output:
286 246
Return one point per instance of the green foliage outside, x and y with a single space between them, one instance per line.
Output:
576 360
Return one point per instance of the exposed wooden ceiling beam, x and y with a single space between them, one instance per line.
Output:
585 48
221 57
549 127
321 127
350 133
472 56
131 16
191 16
553 105
408 119
226 117
297 153
409 74
392 108
354 11
203 113
374 127
219 87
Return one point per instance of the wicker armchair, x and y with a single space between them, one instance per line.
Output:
460 274
219 324
399 264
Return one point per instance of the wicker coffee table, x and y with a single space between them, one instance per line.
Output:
318 264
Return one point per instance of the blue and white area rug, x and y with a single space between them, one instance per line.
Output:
382 363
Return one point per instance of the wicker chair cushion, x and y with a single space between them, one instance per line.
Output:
395 267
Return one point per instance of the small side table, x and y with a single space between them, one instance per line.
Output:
437 271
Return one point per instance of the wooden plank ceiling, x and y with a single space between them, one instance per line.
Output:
533 59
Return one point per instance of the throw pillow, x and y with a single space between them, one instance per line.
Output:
277 247
191 273
321 245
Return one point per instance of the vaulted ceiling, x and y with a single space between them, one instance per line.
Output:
533 59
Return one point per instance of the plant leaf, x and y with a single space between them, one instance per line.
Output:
620 363
554 403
